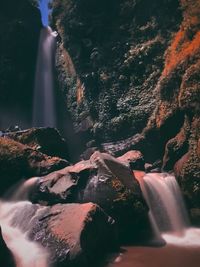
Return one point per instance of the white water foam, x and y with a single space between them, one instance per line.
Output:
167 213
27 253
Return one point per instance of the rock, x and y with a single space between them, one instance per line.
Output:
19 161
107 164
6 258
115 189
176 147
175 122
139 174
134 159
148 167
136 142
103 180
65 185
118 76
88 153
179 165
154 167
45 140
72 234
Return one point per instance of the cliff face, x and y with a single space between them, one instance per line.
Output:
109 61
20 25
124 65
176 120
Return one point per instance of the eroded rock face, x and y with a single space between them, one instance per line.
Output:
20 25
72 234
18 161
134 159
109 60
45 140
175 125
102 180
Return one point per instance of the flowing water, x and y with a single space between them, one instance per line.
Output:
26 253
163 196
167 214
44 112
170 222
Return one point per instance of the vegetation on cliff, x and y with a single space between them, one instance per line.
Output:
109 60
178 109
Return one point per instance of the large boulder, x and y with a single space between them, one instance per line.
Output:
64 186
134 159
19 161
71 234
102 180
45 140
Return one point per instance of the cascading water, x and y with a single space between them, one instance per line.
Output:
26 253
167 212
163 196
44 114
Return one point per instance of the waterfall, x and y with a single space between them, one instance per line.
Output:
44 114
166 204
167 212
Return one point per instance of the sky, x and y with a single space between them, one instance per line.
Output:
44 11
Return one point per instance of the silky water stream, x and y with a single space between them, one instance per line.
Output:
170 223
26 253
44 110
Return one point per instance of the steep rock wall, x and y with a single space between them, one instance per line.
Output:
176 119
109 60
122 64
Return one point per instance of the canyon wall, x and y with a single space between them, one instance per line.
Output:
109 60
126 67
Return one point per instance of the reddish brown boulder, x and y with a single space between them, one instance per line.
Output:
139 174
45 140
103 180
19 161
65 185
134 159
72 234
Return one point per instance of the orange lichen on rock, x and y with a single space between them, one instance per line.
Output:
187 40
67 62
79 91
181 48
164 110
71 72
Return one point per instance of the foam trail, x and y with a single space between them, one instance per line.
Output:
167 212
15 218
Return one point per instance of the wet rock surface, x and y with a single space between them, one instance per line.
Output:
73 234
175 122
102 180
